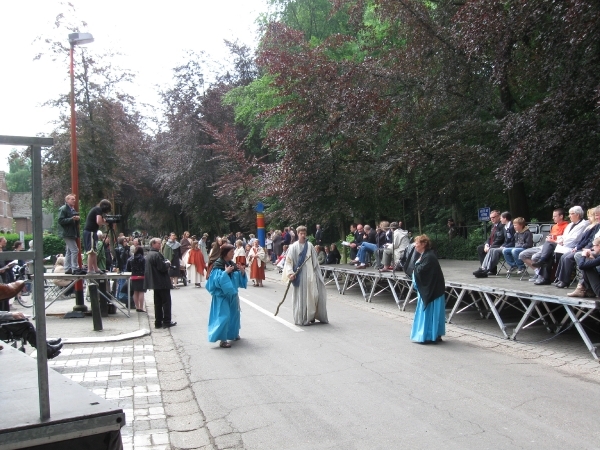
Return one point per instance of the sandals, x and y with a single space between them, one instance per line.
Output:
225 344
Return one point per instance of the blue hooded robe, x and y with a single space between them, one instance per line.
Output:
224 318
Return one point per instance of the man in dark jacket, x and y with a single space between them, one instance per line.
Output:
494 252
496 236
156 277
68 229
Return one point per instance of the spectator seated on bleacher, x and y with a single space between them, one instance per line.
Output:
493 253
523 240
333 257
383 236
495 240
567 263
589 266
394 252
555 247
367 247
321 255
533 254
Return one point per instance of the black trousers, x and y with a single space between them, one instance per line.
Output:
162 306
20 329
546 270
591 279
566 266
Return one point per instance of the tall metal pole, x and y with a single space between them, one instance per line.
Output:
38 284
79 302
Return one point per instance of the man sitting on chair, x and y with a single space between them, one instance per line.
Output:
367 248
392 254
555 247
488 266
16 325
530 255
496 237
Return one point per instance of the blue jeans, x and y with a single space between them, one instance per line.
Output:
365 251
511 256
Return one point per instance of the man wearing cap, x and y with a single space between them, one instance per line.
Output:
395 251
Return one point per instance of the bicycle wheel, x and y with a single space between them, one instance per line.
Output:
26 297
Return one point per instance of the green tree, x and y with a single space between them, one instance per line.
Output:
18 179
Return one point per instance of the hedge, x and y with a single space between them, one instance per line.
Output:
53 245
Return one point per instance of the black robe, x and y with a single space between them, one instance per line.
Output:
429 278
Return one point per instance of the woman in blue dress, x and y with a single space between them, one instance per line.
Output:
429 324
223 283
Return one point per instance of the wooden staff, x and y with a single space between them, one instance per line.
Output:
290 282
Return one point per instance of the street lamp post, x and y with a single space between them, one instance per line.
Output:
76 39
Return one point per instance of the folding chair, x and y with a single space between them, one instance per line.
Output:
502 265
545 229
578 276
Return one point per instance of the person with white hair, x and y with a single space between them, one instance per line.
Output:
68 229
555 247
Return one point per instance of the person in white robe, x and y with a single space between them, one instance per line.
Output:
309 293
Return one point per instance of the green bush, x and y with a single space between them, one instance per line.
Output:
458 247
53 245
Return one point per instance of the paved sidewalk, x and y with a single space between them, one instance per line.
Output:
124 372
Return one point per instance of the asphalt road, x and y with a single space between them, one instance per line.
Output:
359 383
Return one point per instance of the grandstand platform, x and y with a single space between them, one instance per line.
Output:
515 304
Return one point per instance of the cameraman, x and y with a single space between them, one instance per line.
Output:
68 229
95 218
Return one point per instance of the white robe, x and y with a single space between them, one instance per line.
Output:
310 297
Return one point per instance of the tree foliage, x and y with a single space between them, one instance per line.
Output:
18 178
111 138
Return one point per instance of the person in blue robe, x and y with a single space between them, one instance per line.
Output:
223 283
429 324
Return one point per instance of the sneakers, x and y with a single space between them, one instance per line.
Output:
478 271
69 271
512 269
520 271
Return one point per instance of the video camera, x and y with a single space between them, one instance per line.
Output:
112 218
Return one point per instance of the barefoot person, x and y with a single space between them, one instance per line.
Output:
429 324
94 219
310 296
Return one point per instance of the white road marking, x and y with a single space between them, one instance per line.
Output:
291 326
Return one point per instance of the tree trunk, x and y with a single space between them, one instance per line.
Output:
517 201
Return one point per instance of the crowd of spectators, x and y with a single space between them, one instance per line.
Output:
570 244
